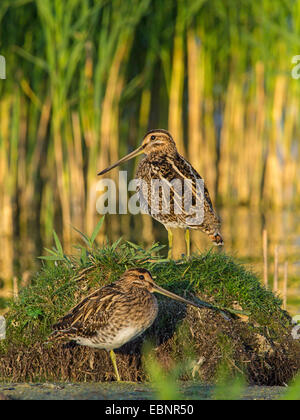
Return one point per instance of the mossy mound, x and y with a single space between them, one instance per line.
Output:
260 345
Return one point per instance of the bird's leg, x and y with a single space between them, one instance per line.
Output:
114 362
170 240
188 242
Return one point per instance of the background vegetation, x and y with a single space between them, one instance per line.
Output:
87 78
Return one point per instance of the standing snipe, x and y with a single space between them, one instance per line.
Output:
116 313
165 164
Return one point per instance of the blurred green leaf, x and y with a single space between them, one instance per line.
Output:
58 244
96 230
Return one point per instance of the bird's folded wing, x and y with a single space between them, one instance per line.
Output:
91 314
174 190
199 190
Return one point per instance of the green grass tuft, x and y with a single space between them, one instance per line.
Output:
214 277
60 284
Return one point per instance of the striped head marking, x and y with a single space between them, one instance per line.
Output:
159 141
155 141
138 277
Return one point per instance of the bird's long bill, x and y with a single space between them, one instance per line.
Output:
131 155
171 295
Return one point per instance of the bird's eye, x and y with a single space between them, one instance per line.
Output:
141 277
153 137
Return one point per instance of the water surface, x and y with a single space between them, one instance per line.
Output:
124 391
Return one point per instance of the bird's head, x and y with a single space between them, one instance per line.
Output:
155 141
138 277
159 141
142 278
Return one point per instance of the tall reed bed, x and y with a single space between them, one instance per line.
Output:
87 78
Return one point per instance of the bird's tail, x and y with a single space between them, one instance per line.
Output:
217 239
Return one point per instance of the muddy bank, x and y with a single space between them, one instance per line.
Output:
201 337
112 391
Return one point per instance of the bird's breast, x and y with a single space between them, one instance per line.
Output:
144 168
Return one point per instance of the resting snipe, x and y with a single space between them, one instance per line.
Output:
165 164
116 313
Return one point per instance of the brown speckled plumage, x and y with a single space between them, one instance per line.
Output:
116 313
99 318
164 163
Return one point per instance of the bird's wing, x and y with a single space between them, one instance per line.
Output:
158 198
91 314
198 188
195 211
189 206
165 197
